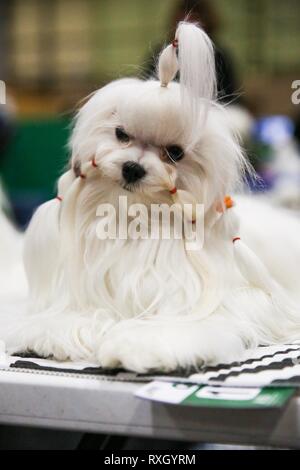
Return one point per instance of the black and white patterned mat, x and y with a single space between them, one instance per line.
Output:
265 366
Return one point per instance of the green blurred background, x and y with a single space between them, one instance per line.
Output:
55 52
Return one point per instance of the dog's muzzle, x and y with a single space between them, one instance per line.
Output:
132 172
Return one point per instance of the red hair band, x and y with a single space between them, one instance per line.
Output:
81 175
236 239
175 43
94 164
173 191
77 171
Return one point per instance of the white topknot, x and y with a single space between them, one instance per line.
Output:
192 54
168 65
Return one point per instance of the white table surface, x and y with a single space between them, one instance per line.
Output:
95 405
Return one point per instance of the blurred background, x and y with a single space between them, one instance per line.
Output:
55 52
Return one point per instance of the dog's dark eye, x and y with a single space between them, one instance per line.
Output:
121 135
175 153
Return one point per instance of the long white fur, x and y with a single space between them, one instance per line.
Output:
151 304
12 277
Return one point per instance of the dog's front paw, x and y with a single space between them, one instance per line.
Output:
40 347
135 350
143 346
61 338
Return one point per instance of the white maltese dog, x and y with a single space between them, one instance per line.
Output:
150 303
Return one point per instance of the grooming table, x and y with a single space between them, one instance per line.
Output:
106 404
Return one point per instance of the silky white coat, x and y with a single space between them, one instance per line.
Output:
152 304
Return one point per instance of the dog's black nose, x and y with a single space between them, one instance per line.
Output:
132 172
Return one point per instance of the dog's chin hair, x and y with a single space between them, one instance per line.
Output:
132 188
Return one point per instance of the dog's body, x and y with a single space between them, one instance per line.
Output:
150 303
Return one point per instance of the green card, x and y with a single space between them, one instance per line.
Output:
227 397
215 396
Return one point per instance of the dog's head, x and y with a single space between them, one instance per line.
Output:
146 135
